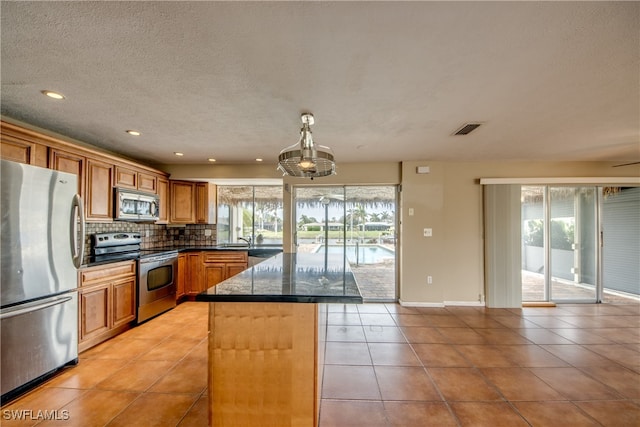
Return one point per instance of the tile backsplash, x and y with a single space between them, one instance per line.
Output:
154 235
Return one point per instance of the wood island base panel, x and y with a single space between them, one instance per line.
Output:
265 363
267 334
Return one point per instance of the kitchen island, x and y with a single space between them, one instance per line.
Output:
267 330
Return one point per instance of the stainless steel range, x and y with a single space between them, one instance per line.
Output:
157 270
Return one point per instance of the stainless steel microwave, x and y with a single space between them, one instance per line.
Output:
131 205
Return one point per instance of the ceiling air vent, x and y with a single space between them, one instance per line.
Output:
467 129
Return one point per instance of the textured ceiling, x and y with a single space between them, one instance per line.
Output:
386 81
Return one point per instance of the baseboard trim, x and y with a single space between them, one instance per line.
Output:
464 303
420 304
442 304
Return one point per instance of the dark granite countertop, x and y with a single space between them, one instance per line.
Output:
257 251
301 278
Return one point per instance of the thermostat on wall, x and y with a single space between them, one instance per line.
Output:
422 169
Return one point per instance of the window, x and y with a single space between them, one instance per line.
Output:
250 214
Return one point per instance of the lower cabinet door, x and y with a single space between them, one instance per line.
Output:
182 275
94 311
214 273
233 268
124 301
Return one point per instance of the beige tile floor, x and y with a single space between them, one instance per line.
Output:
386 365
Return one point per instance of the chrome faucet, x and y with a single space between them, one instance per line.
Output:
246 240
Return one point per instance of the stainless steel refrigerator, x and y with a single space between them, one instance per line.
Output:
42 247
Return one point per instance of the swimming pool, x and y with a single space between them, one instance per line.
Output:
367 254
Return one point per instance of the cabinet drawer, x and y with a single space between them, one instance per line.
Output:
108 272
226 256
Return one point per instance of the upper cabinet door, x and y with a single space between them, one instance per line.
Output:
18 145
131 178
163 195
126 178
182 207
206 199
147 182
99 182
69 162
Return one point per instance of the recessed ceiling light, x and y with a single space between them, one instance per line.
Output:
52 94
178 154
258 160
212 160
133 132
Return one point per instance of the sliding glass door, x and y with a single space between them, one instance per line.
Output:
573 255
580 244
560 258
356 222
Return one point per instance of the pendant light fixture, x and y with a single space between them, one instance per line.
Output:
306 159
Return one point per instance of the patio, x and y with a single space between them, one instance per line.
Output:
533 290
377 282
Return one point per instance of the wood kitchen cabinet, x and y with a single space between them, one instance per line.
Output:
213 273
208 268
220 265
193 280
192 202
65 161
147 183
182 202
99 191
206 201
135 180
94 315
126 178
19 145
181 276
124 301
98 172
95 182
163 195
107 302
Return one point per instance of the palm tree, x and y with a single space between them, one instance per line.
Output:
374 217
386 216
359 215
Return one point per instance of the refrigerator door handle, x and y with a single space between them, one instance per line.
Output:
77 244
31 307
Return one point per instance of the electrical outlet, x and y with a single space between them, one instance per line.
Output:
429 280
428 232
410 211
147 233
207 232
